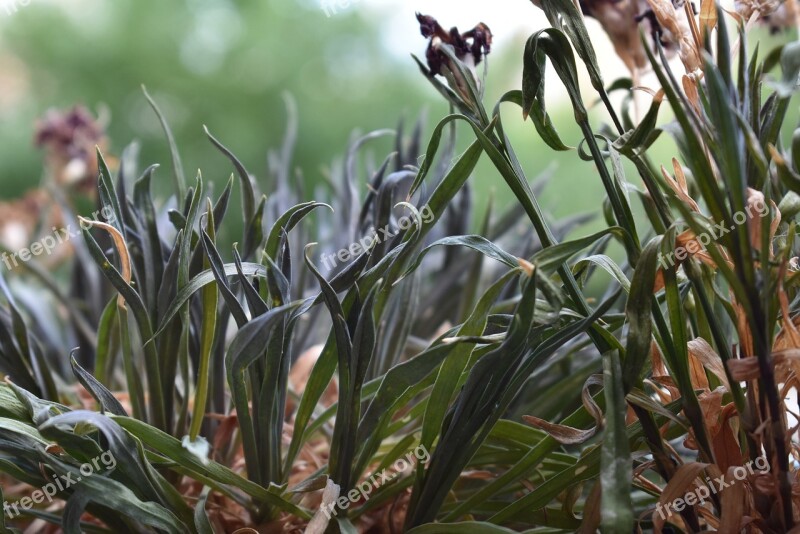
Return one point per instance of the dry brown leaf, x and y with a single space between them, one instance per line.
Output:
663 396
788 337
709 517
679 184
786 363
765 484
641 479
526 266
122 250
697 373
720 420
743 329
727 450
689 83
700 350
733 505
320 521
681 483
688 11
619 20
708 15
755 200
743 369
566 434
563 434
679 27
778 15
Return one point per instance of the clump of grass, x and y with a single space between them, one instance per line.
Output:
241 381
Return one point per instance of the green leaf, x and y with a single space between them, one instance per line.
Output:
177 166
218 269
790 65
450 373
116 496
286 222
209 297
108 194
616 471
247 346
107 401
4 529
147 227
639 316
133 299
200 281
550 258
565 15
248 192
201 522
474 242
172 449
554 44
107 342
541 120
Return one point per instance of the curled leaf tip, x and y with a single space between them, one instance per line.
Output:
122 250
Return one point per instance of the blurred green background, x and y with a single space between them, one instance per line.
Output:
226 64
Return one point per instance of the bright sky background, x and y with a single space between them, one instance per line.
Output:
511 22
506 18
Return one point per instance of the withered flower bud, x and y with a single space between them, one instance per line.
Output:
69 139
469 47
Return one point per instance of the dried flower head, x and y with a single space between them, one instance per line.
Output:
669 22
469 47
779 15
70 139
665 21
19 218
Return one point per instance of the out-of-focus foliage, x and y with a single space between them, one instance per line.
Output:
220 63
